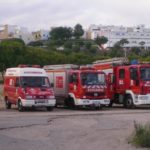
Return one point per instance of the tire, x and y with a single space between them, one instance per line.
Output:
111 103
70 103
50 108
7 104
128 102
20 107
66 102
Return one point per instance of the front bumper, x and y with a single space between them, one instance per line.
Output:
142 99
38 102
92 102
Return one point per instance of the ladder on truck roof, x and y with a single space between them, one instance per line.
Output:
63 66
112 61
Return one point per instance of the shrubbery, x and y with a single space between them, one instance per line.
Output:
141 135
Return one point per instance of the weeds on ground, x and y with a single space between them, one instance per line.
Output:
141 136
0 92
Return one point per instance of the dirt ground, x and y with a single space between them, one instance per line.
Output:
67 129
63 129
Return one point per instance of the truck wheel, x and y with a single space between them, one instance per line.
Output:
71 103
128 102
7 104
49 108
20 107
111 103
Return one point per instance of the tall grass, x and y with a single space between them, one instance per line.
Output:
141 135
1 82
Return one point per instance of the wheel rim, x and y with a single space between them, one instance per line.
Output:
129 102
7 104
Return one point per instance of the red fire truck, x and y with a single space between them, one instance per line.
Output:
27 86
129 84
74 86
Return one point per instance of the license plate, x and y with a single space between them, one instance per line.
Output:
96 103
95 94
40 101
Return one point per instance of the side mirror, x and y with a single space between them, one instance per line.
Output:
110 79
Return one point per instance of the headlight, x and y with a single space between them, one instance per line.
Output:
84 96
143 97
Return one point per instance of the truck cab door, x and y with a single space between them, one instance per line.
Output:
73 83
121 80
12 90
134 79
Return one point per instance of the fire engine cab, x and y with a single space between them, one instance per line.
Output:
28 87
129 84
74 86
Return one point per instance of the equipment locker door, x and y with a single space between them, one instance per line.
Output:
110 86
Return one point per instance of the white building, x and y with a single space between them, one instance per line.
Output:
41 35
134 35
14 31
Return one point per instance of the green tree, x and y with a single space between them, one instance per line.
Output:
101 40
68 44
61 33
136 50
35 43
88 45
122 42
116 52
12 53
93 49
78 31
118 48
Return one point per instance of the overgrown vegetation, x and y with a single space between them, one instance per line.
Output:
141 135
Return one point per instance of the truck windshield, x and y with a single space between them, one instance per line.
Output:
34 82
145 73
93 78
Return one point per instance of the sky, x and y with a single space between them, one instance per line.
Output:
43 14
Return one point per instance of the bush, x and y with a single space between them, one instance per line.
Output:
142 135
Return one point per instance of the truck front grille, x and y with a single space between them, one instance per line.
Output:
94 94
